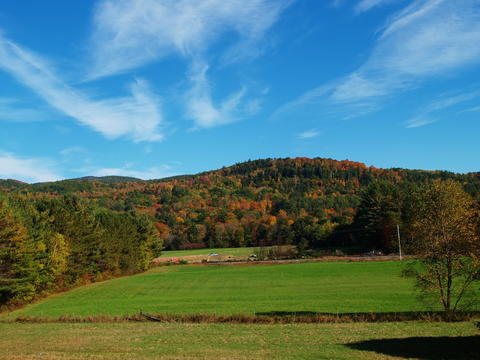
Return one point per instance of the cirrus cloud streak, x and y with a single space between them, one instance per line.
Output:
137 116
428 39
130 33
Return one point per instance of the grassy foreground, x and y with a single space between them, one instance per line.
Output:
226 341
331 287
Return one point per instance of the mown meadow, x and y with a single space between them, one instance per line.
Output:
326 287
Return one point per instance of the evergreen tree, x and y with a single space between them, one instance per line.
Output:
378 214
17 266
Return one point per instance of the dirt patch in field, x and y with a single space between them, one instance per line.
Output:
198 259
189 258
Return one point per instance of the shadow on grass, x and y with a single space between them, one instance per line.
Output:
290 313
379 316
427 348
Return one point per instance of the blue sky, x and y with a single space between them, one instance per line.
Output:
154 88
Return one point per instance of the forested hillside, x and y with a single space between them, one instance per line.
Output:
261 202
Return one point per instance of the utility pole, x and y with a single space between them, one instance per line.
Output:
399 243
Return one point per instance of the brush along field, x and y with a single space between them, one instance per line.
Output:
227 341
328 287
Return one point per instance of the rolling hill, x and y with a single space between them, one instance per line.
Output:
253 203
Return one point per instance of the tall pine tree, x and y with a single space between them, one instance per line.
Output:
18 268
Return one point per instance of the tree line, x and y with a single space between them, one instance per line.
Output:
53 243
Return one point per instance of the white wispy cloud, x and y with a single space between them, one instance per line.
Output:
365 5
419 121
451 100
415 10
430 113
473 109
201 107
155 172
308 134
428 38
137 116
27 169
72 150
131 33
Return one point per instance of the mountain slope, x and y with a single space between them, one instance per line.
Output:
268 201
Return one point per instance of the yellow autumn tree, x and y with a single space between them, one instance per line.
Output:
446 243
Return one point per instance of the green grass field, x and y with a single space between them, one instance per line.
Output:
246 251
318 286
367 341
333 287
